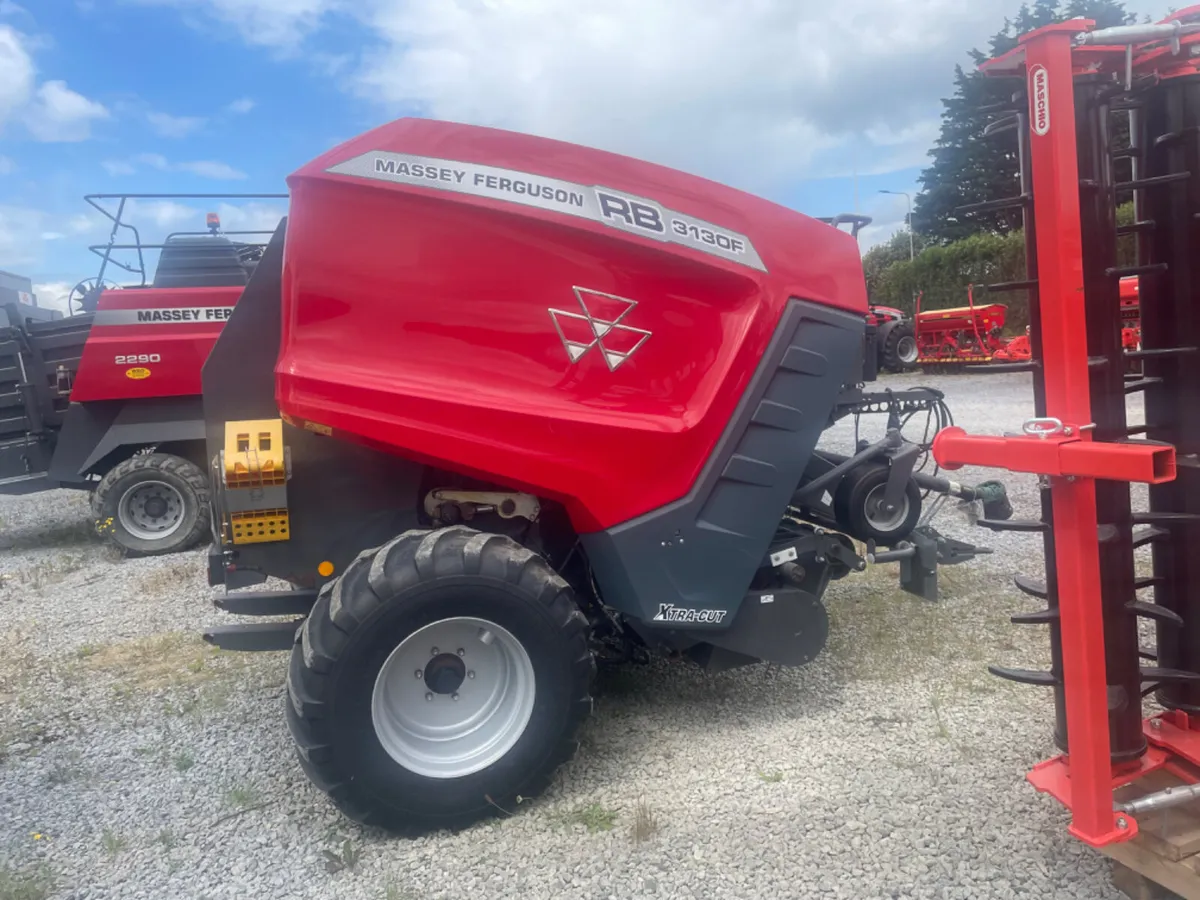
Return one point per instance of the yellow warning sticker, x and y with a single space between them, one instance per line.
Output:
137 373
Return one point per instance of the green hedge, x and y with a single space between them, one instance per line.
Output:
943 271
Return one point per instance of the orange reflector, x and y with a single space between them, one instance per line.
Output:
325 569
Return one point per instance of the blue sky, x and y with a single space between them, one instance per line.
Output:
786 98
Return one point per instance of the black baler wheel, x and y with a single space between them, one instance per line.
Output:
153 504
372 738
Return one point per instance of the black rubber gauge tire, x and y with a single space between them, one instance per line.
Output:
857 501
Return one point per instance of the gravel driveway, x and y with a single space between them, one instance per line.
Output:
135 762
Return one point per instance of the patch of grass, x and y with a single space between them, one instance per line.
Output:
771 777
645 823
32 884
242 797
394 892
345 857
879 632
86 650
74 533
112 842
594 817
50 571
942 731
183 761
167 839
167 660
165 579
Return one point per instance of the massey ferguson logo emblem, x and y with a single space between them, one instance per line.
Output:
598 324
669 612
1039 99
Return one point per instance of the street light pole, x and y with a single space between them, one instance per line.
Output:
911 252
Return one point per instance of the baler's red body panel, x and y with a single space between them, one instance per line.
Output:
444 324
148 342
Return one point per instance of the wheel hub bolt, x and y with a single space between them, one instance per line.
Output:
470 674
418 674
454 696
462 652
434 652
429 696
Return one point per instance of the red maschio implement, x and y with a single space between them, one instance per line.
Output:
1076 80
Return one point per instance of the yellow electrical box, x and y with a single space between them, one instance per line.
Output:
254 453
260 526
254 464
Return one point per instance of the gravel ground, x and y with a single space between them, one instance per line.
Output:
135 762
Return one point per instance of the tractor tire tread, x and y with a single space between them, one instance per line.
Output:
184 470
348 604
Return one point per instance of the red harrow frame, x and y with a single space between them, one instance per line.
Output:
1076 80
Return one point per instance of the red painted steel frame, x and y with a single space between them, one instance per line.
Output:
1049 67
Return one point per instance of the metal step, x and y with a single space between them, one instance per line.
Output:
268 603
254 636
18 485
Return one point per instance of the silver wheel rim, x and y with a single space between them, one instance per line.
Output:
875 515
453 697
151 510
906 349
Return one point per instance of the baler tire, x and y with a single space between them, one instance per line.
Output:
179 476
900 348
850 506
341 663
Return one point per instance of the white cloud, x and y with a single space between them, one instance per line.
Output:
116 167
213 169
218 171
889 214
58 113
7 166
16 73
241 106
165 214
170 126
250 216
154 160
53 295
270 23
21 230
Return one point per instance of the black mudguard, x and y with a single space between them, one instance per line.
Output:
701 552
93 431
342 498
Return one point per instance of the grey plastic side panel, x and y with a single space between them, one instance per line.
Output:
701 552
91 431
342 498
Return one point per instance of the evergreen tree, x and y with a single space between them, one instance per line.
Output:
968 168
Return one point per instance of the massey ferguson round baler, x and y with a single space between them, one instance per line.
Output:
500 407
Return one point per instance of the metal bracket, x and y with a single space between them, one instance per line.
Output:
504 504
